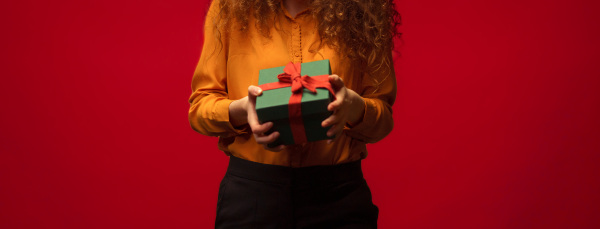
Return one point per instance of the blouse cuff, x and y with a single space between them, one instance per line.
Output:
221 112
359 129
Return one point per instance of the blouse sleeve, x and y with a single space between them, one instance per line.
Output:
209 102
377 121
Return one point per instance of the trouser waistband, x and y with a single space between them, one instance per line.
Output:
312 175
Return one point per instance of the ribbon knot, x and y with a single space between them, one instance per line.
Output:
291 75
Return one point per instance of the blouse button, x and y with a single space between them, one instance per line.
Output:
297 54
295 26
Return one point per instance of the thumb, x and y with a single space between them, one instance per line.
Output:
254 91
336 81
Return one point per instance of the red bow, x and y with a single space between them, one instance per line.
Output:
291 77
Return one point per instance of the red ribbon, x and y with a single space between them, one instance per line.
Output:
291 77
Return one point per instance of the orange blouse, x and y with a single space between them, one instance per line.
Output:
227 68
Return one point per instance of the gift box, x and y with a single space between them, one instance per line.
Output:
295 99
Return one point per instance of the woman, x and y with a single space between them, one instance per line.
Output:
311 185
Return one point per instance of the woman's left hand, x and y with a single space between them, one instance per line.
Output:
348 107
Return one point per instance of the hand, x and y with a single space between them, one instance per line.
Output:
348 107
243 111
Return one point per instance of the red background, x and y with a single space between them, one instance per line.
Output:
497 117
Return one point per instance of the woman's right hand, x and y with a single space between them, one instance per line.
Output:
243 111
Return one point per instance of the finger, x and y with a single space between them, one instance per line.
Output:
251 109
332 119
336 81
336 104
340 97
335 130
260 129
340 92
266 139
254 90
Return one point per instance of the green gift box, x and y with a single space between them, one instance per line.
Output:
274 104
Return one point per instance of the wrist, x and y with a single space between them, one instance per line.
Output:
238 115
358 108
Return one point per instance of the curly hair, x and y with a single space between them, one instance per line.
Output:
363 30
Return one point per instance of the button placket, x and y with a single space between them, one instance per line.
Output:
296 42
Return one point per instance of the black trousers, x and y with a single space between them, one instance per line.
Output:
254 195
